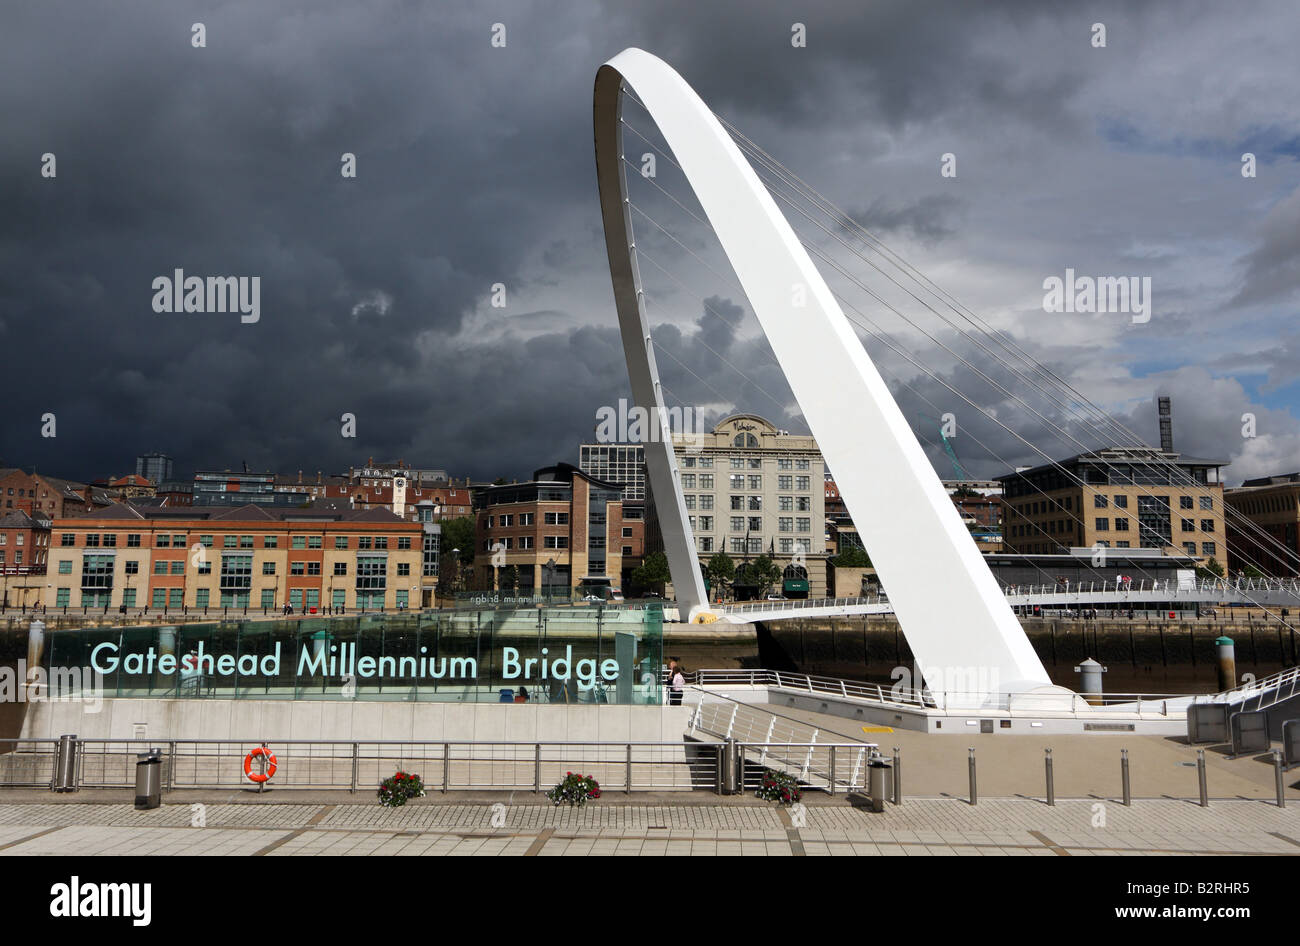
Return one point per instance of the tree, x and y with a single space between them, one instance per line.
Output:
721 571
762 573
964 492
1211 569
508 578
852 557
652 574
459 534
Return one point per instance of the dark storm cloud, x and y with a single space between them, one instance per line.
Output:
475 168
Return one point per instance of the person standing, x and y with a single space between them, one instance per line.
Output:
676 684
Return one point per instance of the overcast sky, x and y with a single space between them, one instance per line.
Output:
474 167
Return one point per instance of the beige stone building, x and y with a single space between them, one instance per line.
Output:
751 488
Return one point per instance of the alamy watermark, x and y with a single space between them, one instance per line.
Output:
624 424
1128 294
181 293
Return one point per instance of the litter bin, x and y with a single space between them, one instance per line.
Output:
148 779
65 764
730 775
505 696
878 774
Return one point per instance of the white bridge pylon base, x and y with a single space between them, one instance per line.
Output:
948 604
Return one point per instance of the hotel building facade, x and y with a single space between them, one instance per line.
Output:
1270 508
751 488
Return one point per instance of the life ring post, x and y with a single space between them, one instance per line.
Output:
268 766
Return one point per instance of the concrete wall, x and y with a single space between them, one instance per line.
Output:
271 720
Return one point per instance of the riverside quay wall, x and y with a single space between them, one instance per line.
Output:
1144 655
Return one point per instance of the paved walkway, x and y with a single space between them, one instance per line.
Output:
934 826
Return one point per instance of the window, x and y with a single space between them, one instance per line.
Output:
62 596
201 597
313 568
1207 525
526 518
128 597
381 542
785 523
689 500
67 539
706 501
65 567
804 523
737 480
205 541
803 504
268 598
1189 548
737 463
160 598
688 462
556 519
363 542
340 568
755 504
627 533
402 597
706 481
737 503
1207 548
299 542
755 523
340 541
755 482
755 463
129 568
404 542
706 545
205 568
526 542
706 523
785 546
801 482
1185 502
297 568
403 568
160 568
270 541
92 539
268 568
1207 502
228 541
557 542
688 481
1121 545
737 523
1099 501
245 541
1103 524
801 464
178 568
161 541
785 503
706 463
174 597
110 540
1121 501
506 520
1121 525
785 482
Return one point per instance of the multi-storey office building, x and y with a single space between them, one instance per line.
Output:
241 557
558 530
1269 538
154 467
616 463
49 496
752 488
1130 497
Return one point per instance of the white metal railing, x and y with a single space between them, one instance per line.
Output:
943 701
1259 694
771 741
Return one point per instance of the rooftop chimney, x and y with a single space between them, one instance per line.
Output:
1166 424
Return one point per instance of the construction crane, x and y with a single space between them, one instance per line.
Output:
947 448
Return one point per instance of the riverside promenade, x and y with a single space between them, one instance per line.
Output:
699 824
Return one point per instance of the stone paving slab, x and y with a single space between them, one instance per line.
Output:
921 827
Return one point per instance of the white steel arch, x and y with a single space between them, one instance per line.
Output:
948 604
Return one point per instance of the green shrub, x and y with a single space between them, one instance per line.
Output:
394 792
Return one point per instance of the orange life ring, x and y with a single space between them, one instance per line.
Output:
270 764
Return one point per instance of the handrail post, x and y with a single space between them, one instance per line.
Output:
537 768
356 747
1051 781
629 769
832 769
171 765
446 765
1278 779
1200 778
1124 777
970 767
